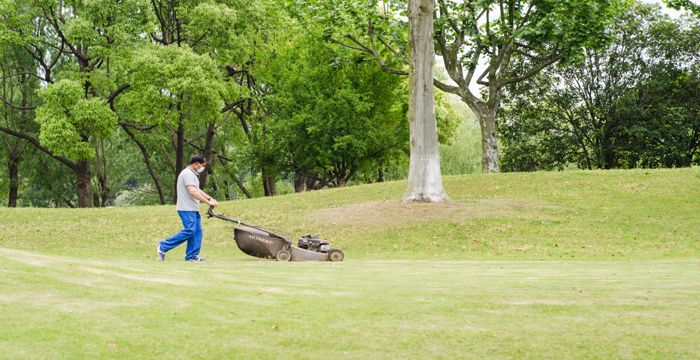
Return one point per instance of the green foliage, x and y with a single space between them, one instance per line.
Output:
447 118
358 22
572 25
68 120
104 24
209 18
514 40
659 122
463 154
14 15
541 28
333 118
631 104
167 82
44 182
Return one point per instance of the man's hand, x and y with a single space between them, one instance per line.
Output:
212 202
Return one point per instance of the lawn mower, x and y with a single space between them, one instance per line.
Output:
258 242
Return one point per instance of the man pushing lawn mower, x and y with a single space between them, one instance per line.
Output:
188 197
252 240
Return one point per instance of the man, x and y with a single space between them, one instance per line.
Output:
188 197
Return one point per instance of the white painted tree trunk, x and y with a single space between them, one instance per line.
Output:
424 178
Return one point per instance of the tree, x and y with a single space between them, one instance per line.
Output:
78 38
350 20
177 77
226 36
513 40
330 118
174 94
660 120
18 104
424 178
631 104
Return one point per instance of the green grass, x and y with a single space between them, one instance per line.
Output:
639 214
538 265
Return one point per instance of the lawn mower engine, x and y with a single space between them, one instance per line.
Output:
313 243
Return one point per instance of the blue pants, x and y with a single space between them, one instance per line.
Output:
192 233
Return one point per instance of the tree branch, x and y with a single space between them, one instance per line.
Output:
447 88
115 93
139 128
54 23
336 41
232 106
376 56
532 71
445 13
147 161
37 144
22 108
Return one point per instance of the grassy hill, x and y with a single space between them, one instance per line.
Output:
539 265
639 214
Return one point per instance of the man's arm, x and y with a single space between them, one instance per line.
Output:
201 196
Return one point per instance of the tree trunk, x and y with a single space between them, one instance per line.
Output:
608 150
104 188
424 178
489 139
268 183
82 184
149 165
586 154
80 168
13 167
101 168
227 192
235 178
610 161
241 186
299 182
311 183
208 144
179 155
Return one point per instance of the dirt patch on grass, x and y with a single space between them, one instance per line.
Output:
387 213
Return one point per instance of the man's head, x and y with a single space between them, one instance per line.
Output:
198 163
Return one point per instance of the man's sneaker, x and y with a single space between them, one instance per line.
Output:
197 258
161 255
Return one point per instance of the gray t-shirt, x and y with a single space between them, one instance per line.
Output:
185 201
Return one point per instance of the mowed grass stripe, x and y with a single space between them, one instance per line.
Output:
71 307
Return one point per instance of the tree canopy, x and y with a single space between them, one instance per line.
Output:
103 101
631 104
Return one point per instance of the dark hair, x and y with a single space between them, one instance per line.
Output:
197 159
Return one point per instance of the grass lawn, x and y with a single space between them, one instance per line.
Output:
539 265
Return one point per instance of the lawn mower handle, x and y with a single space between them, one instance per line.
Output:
210 213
